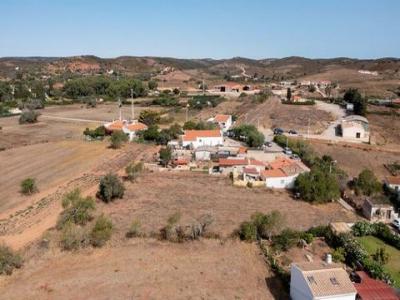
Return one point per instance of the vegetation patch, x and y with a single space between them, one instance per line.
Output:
9 260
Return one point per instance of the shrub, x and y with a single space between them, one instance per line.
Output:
165 156
152 84
77 209
133 170
248 231
28 186
73 237
367 183
338 255
149 117
101 231
381 256
286 239
171 232
268 225
117 139
28 116
9 260
362 228
99 132
307 237
110 188
134 230
249 134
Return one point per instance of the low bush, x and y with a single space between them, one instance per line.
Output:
248 231
101 232
118 138
73 237
97 133
367 183
110 188
9 260
133 171
28 186
134 230
286 240
308 102
379 230
28 117
77 209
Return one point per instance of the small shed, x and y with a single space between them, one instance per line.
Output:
378 209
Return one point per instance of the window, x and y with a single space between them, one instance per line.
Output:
311 279
334 281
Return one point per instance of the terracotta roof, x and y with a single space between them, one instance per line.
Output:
136 126
180 161
371 289
221 118
226 162
250 170
192 135
281 162
242 150
393 180
326 279
273 173
116 125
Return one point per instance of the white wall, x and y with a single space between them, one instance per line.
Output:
351 132
280 182
204 141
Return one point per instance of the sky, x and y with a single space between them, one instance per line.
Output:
201 28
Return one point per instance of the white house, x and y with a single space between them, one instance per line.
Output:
320 280
197 138
393 182
224 121
282 173
355 127
129 128
204 153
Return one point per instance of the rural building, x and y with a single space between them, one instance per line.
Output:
282 173
320 280
378 209
355 127
204 153
393 182
371 289
230 164
228 87
298 98
198 138
129 128
223 121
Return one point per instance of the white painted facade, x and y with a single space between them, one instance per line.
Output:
204 141
281 182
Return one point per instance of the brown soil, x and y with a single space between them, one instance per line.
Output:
272 113
146 269
156 196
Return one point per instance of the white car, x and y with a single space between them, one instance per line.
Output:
396 223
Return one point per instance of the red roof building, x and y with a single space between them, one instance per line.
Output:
371 289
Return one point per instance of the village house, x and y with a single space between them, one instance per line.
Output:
393 183
198 138
228 87
205 153
129 128
378 209
355 127
320 280
282 173
223 121
237 164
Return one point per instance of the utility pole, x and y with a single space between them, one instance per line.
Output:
132 106
203 88
187 112
308 128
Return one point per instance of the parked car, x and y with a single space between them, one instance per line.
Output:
278 131
268 144
396 223
287 151
292 131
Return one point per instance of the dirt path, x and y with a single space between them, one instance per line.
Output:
29 223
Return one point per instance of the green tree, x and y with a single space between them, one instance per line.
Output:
360 104
28 186
110 188
165 156
317 186
117 139
77 209
28 117
268 225
367 183
149 117
151 133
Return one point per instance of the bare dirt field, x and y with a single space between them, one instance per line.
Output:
385 128
146 269
156 196
49 163
272 113
353 160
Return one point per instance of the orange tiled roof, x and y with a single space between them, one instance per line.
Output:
136 126
232 162
273 173
393 179
250 170
192 135
221 118
116 125
281 162
242 150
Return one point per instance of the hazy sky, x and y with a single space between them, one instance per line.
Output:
201 28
